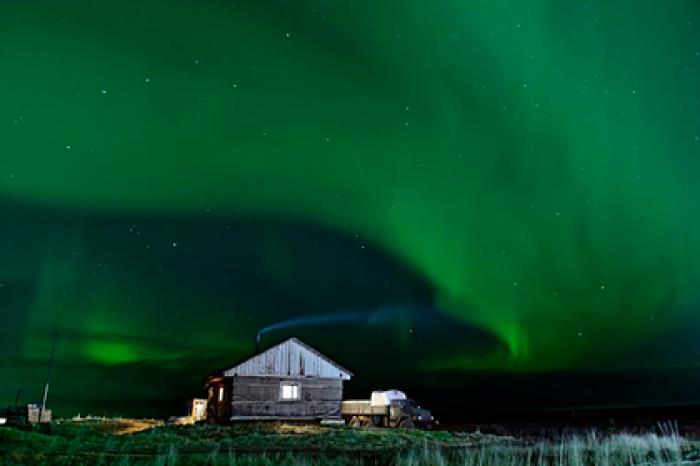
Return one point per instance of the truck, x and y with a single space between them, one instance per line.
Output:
386 408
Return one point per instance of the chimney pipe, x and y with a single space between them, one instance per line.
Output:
257 342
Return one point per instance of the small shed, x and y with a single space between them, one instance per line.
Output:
289 381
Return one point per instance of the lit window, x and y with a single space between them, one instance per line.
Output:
221 393
289 391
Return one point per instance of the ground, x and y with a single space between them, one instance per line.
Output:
124 442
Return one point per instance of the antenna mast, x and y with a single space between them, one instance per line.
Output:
48 378
19 397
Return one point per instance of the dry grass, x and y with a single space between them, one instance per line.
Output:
114 426
109 441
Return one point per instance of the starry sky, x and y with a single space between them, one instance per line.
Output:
472 189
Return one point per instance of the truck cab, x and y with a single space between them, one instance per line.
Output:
406 413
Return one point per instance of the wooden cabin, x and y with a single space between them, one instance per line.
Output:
289 381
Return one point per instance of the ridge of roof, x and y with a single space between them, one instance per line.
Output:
297 341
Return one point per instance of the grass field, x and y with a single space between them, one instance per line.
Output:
107 442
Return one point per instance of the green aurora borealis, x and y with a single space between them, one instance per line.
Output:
521 178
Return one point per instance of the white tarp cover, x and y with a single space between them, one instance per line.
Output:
385 397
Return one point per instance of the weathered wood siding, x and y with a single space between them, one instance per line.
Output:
290 358
259 398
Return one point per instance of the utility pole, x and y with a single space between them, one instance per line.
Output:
48 378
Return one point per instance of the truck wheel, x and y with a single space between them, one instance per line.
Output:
406 423
354 422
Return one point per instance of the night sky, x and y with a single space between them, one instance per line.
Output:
492 198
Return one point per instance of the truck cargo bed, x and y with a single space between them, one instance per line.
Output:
362 408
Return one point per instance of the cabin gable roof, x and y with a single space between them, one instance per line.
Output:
290 358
